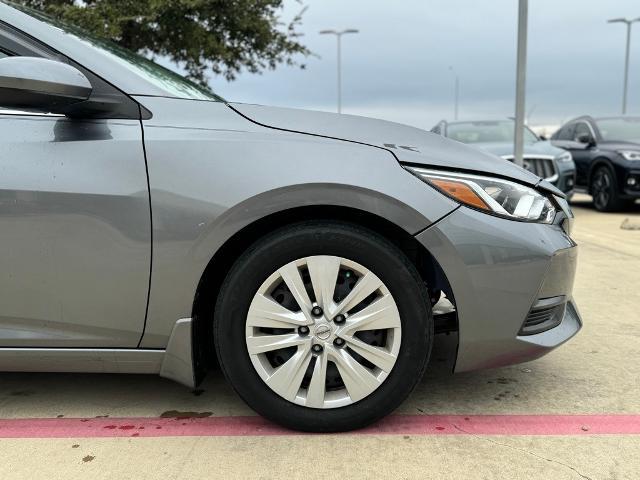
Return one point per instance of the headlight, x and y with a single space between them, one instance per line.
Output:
564 157
491 195
630 154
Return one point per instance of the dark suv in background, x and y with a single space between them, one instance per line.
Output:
496 136
607 156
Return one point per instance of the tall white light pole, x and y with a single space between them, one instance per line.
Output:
338 34
628 22
521 76
456 93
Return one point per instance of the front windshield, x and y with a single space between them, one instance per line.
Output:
487 132
169 81
620 129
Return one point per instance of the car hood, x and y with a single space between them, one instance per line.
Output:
506 148
408 144
616 145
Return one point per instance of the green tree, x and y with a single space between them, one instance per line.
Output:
221 36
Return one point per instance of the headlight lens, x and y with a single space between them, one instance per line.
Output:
491 195
630 154
564 157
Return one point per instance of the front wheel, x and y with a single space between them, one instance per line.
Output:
323 327
605 191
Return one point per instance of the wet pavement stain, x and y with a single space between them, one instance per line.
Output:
22 393
181 415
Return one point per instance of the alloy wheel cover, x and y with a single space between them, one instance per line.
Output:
602 185
328 360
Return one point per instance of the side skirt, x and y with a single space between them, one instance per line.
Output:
174 363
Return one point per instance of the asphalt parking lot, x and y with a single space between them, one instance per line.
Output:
596 374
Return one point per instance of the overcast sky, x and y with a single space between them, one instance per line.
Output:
397 67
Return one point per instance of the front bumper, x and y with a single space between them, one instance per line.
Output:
498 270
631 184
566 177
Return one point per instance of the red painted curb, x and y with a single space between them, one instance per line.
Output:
257 426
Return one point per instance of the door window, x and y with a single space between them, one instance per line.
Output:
581 130
566 133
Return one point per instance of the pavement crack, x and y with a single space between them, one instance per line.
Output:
523 450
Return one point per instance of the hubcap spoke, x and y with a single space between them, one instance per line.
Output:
316 392
365 286
359 381
376 355
323 271
291 276
286 380
268 313
268 343
382 313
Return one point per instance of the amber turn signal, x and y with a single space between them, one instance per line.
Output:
461 192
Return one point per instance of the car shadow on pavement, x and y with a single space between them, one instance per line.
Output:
51 395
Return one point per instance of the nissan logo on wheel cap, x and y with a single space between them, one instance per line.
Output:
323 332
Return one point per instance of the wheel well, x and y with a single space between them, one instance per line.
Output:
221 263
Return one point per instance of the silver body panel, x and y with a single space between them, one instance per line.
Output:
408 144
81 360
75 232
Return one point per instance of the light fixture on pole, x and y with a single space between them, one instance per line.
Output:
338 35
628 23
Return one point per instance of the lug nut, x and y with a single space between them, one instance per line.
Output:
316 311
338 342
317 348
303 330
339 318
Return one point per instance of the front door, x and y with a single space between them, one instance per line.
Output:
75 231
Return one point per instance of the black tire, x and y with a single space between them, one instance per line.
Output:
604 190
323 238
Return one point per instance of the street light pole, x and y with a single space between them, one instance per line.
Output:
628 23
456 93
521 75
338 35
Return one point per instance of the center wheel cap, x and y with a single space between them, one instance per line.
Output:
322 331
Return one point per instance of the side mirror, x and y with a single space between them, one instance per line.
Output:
585 139
41 85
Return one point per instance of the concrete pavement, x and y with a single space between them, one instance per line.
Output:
596 373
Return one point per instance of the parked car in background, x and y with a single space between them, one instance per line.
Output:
148 225
607 156
496 136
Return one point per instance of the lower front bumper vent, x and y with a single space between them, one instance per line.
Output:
544 315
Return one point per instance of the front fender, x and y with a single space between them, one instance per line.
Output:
209 182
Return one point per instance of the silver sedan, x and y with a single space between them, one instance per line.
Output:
147 225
